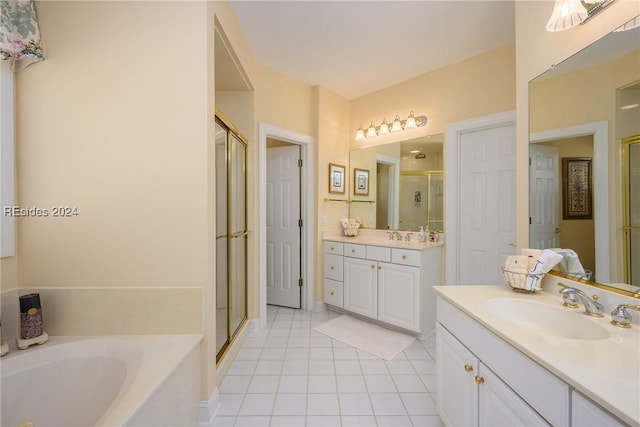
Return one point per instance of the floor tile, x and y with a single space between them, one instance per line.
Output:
322 404
355 404
293 384
351 384
322 384
419 403
235 384
264 384
290 404
409 383
257 404
288 374
380 383
387 404
287 420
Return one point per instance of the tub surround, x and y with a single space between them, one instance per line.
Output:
604 370
159 370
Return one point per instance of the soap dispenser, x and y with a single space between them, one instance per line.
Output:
422 236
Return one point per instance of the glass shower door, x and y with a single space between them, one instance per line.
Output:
222 307
238 232
632 211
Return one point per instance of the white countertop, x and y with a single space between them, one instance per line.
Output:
384 241
607 371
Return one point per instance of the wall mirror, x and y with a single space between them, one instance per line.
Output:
584 162
404 184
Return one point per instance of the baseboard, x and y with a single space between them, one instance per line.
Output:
209 409
318 306
255 325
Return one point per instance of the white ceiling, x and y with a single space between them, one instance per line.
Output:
357 47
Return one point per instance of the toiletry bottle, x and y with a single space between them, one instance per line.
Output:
422 237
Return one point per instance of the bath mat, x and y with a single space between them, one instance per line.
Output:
365 336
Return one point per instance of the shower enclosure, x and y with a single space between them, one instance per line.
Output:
631 228
231 233
421 200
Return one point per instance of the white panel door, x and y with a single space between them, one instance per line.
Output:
544 197
487 204
361 287
283 230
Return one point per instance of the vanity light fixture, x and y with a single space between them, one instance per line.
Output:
634 23
569 13
397 125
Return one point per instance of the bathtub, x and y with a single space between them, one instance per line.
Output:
103 381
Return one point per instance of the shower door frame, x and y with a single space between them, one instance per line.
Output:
627 228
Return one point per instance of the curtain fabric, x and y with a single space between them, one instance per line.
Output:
19 33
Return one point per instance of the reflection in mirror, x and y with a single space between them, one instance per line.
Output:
405 185
581 113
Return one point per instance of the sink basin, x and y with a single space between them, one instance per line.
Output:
547 320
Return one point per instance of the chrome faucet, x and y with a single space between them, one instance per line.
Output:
571 296
407 237
620 316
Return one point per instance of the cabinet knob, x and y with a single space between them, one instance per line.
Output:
404 257
332 248
479 379
373 266
331 268
353 251
468 368
332 293
379 267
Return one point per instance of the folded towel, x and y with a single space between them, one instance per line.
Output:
533 255
545 262
570 262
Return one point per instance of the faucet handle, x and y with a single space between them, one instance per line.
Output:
569 297
620 316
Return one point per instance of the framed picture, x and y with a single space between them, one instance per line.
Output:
577 188
336 178
360 182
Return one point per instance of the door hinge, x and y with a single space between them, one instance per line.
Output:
300 223
529 161
529 220
299 163
300 282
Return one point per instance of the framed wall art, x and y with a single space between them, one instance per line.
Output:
360 182
577 188
336 178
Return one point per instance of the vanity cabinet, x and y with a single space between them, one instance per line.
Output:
483 381
333 273
585 413
388 284
470 394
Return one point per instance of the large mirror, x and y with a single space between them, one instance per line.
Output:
584 164
398 185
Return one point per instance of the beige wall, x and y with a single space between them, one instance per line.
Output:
475 87
536 51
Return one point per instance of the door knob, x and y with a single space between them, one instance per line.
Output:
558 230
514 244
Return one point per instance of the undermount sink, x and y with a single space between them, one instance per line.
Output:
547 320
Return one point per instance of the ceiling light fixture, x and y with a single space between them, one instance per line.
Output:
569 13
397 125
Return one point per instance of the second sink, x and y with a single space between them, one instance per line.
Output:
545 319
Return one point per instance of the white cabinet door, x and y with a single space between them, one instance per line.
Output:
399 295
360 287
457 392
585 413
499 405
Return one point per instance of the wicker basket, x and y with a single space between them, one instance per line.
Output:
523 282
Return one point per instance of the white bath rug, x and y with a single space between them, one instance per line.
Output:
368 337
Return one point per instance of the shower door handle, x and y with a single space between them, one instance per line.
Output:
239 234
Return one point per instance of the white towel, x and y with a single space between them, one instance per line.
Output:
570 262
545 262
533 255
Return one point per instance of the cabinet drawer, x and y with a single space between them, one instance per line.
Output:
405 256
332 248
378 253
333 292
333 267
354 251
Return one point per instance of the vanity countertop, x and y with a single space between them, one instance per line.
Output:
606 370
374 240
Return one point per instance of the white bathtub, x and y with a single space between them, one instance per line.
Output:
105 381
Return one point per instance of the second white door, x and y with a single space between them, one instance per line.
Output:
283 226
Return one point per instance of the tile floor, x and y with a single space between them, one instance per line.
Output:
290 375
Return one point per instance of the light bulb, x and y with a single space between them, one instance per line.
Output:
396 125
384 127
371 132
360 134
566 14
411 122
